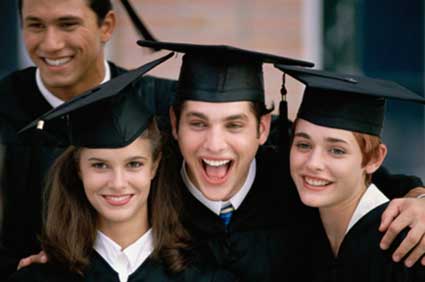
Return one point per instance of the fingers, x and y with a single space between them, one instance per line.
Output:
410 241
391 212
38 258
416 254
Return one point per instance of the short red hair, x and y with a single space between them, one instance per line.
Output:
369 147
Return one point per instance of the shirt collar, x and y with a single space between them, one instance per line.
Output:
126 261
50 97
215 206
371 199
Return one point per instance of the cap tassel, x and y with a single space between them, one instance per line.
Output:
138 23
283 120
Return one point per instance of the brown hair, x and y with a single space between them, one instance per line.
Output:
369 147
69 229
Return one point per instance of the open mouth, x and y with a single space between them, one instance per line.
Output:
316 182
57 62
117 200
216 171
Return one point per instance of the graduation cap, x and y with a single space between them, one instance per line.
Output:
111 115
349 102
220 73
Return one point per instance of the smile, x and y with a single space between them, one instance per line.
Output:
316 182
216 171
117 200
57 62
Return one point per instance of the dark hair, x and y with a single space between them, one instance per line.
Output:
99 7
70 221
259 109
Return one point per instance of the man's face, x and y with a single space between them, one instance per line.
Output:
65 41
218 142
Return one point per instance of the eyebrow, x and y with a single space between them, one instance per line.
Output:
236 117
196 114
62 18
302 134
94 159
335 140
328 139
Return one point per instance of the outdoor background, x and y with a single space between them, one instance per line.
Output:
383 39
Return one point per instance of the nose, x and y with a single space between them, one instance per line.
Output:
52 40
215 140
118 180
315 160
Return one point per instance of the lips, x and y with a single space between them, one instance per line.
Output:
57 62
314 183
117 200
216 171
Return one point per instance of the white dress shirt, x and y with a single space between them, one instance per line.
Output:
215 206
126 261
372 198
50 97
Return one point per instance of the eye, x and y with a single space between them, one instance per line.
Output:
197 124
68 25
35 26
337 151
135 164
234 126
99 165
302 146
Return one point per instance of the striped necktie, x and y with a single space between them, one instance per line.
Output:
226 213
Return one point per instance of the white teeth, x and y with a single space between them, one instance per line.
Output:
316 182
117 199
216 163
57 62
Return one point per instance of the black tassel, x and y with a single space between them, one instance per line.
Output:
138 23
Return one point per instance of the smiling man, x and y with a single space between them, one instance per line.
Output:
234 203
65 39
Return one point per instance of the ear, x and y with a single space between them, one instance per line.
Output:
264 128
377 161
108 26
173 121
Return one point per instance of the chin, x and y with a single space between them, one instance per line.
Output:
216 194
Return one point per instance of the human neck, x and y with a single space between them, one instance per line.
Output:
125 234
335 219
91 80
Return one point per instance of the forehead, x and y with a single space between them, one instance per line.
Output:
217 110
322 132
55 9
141 147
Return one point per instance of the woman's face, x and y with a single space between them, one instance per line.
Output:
117 181
326 165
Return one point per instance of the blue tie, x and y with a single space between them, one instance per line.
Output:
226 214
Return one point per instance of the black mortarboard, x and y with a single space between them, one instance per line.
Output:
219 73
111 115
354 103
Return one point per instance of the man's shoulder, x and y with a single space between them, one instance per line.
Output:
17 79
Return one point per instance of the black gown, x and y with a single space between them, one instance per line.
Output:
258 244
26 160
100 271
360 258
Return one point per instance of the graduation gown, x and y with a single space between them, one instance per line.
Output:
264 239
360 258
99 270
26 159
